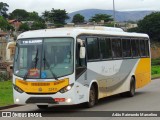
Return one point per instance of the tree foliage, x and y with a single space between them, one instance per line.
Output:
33 16
24 27
46 15
99 17
151 25
3 9
136 29
109 25
19 14
4 25
78 18
59 16
38 25
56 16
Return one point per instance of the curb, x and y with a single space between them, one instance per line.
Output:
155 78
9 106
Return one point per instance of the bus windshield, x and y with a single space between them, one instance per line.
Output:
48 58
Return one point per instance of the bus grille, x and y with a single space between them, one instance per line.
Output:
41 100
40 84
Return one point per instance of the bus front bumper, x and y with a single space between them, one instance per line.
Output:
67 98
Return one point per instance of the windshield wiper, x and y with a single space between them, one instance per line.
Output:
36 59
46 62
35 65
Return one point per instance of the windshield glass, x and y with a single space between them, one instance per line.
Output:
44 58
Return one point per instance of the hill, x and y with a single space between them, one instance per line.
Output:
120 15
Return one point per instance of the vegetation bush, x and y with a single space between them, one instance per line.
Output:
155 67
3 76
155 70
155 62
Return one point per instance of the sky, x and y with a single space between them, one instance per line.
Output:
75 5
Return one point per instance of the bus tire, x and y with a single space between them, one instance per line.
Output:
42 106
131 92
92 97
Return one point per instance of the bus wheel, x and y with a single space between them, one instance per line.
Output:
131 92
42 106
92 97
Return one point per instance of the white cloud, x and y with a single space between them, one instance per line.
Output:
74 5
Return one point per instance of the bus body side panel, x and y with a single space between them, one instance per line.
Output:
113 76
143 72
82 88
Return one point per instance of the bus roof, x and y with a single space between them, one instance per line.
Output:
73 32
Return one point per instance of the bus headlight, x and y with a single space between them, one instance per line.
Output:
18 89
67 88
17 100
68 100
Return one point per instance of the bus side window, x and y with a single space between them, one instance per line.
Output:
135 47
116 48
105 48
142 48
147 48
93 52
126 48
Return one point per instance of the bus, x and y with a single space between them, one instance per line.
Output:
69 66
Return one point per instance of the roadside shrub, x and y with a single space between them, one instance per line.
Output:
3 76
155 70
155 62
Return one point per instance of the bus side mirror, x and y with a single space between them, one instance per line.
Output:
82 52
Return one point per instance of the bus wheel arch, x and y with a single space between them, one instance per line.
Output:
132 87
92 94
131 93
134 78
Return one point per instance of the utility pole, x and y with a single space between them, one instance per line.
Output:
114 14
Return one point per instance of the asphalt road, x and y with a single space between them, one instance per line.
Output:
145 99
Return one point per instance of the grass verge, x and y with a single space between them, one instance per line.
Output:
155 68
6 93
155 76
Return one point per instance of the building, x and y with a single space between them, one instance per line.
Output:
3 44
29 23
15 23
49 25
126 25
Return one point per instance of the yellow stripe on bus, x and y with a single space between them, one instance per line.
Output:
143 72
42 87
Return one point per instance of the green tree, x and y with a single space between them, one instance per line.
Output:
33 16
24 27
59 16
56 16
99 17
3 9
133 29
46 15
4 25
78 18
109 25
38 25
19 14
151 25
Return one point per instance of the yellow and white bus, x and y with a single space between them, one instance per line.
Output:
66 66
